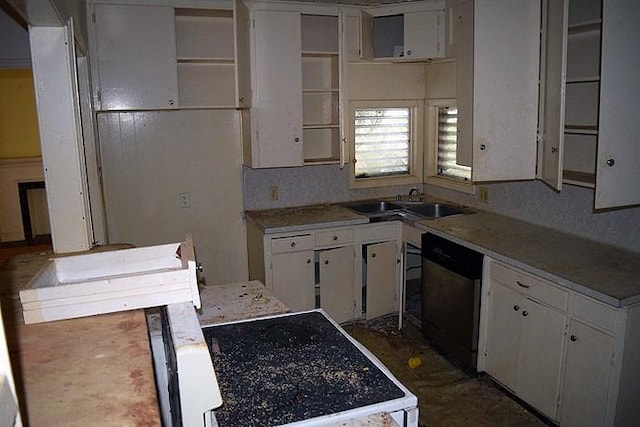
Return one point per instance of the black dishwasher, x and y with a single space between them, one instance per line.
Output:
451 278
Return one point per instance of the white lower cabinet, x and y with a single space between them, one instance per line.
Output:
293 278
524 347
586 378
575 359
347 271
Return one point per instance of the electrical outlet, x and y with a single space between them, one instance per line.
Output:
484 194
273 193
185 200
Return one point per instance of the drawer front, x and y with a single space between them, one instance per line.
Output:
335 237
291 243
379 232
594 312
530 285
412 235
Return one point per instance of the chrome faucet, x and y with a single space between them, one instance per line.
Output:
414 191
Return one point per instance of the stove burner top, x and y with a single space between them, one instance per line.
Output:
291 368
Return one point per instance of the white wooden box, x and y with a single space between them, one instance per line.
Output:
105 282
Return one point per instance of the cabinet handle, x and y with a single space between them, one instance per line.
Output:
308 261
525 313
522 285
335 238
482 147
516 307
326 261
171 102
573 338
611 162
293 244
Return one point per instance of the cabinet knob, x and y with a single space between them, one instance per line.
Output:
335 238
482 147
308 261
241 100
525 313
554 150
409 52
326 261
296 139
573 338
293 244
516 307
171 102
199 267
611 162
373 255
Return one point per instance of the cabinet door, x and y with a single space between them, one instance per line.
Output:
617 171
423 35
553 93
382 279
278 69
136 57
293 279
540 356
241 43
503 334
337 293
587 370
506 56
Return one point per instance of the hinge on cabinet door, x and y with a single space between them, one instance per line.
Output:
100 97
613 358
93 18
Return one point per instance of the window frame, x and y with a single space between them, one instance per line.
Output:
431 175
414 176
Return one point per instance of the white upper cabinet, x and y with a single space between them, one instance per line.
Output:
392 33
156 57
136 57
497 47
589 132
278 97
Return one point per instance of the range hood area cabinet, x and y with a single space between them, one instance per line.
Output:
160 57
590 99
497 46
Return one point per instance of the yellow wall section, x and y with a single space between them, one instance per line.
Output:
19 135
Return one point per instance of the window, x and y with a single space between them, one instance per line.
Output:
441 164
385 143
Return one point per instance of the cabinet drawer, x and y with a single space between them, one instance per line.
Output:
335 237
594 312
529 285
291 243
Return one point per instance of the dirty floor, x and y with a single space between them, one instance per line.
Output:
446 395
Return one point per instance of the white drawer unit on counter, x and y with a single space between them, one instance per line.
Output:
350 272
575 359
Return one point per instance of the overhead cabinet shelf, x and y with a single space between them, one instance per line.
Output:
155 57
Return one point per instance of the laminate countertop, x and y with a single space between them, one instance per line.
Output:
606 273
303 218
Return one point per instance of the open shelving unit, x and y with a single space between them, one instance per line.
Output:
582 101
206 58
320 89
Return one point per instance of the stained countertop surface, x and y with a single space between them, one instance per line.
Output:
607 273
305 218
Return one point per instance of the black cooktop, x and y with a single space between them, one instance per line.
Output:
291 368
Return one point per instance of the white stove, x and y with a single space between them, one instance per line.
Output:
297 369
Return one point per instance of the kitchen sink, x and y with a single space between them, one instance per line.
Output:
379 207
436 210
412 211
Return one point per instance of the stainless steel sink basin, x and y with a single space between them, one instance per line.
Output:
378 207
436 210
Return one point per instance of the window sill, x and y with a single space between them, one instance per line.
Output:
451 184
384 181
